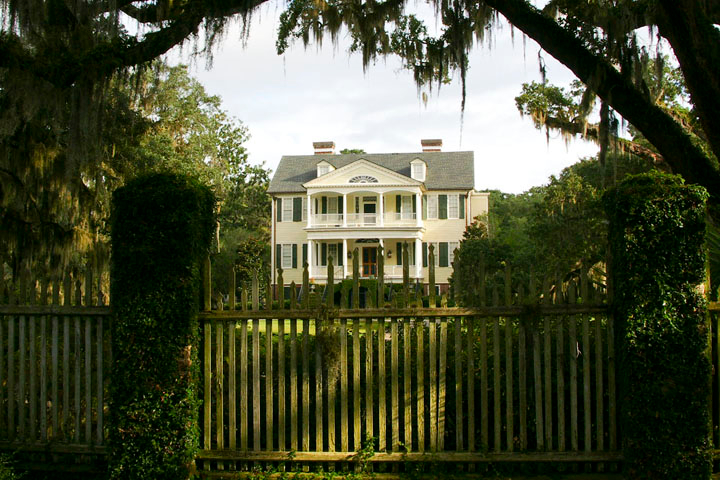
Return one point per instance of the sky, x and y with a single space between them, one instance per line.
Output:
322 94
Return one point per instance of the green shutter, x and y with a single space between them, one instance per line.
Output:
414 197
323 254
398 253
398 203
304 253
424 207
462 205
425 254
294 255
324 205
278 209
340 205
442 207
297 209
444 254
341 254
278 256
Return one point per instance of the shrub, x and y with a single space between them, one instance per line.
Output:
657 227
161 230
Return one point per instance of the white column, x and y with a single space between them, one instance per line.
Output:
345 213
345 259
382 209
311 248
418 257
309 210
418 211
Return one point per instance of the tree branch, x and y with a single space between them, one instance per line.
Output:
673 143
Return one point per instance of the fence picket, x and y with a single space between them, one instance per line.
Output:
382 405
394 389
369 407
306 386
357 411
470 322
573 352
269 395
421 398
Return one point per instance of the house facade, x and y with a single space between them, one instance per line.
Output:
326 205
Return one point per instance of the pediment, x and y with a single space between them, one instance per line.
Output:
361 173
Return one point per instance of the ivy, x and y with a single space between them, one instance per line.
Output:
657 227
161 229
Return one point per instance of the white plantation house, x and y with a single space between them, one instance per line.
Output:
326 205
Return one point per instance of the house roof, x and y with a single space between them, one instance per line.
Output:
445 170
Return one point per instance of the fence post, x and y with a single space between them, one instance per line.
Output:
657 227
161 228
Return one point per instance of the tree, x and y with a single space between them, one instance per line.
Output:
352 150
57 59
553 229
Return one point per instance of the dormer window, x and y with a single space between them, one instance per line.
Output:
418 170
324 168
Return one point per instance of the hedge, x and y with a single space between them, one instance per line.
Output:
657 227
161 230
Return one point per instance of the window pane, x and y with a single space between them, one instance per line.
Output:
332 252
453 206
406 207
432 206
286 255
287 210
332 204
451 251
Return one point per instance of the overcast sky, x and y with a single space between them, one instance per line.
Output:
287 102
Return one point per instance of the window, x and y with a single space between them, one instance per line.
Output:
363 179
322 170
332 252
286 255
304 209
287 209
332 205
451 251
407 207
453 206
432 206
417 170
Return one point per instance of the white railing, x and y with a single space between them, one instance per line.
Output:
403 218
362 219
326 220
318 271
396 271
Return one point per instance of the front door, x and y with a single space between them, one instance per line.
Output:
369 211
369 261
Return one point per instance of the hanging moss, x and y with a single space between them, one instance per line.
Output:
657 227
161 229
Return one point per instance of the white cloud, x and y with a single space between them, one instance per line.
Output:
322 94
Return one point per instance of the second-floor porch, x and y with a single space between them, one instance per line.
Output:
364 209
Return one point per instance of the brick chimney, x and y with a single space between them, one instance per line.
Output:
431 145
324 148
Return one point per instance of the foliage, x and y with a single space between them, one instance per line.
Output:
352 150
553 229
161 226
6 470
656 233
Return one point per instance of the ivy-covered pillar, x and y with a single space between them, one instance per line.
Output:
657 227
161 230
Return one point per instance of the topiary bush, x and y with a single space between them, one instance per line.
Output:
657 227
161 231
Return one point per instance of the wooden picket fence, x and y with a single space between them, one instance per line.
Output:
54 352
529 377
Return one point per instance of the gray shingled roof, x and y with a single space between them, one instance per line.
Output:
445 170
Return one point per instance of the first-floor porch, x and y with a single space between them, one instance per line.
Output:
319 254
